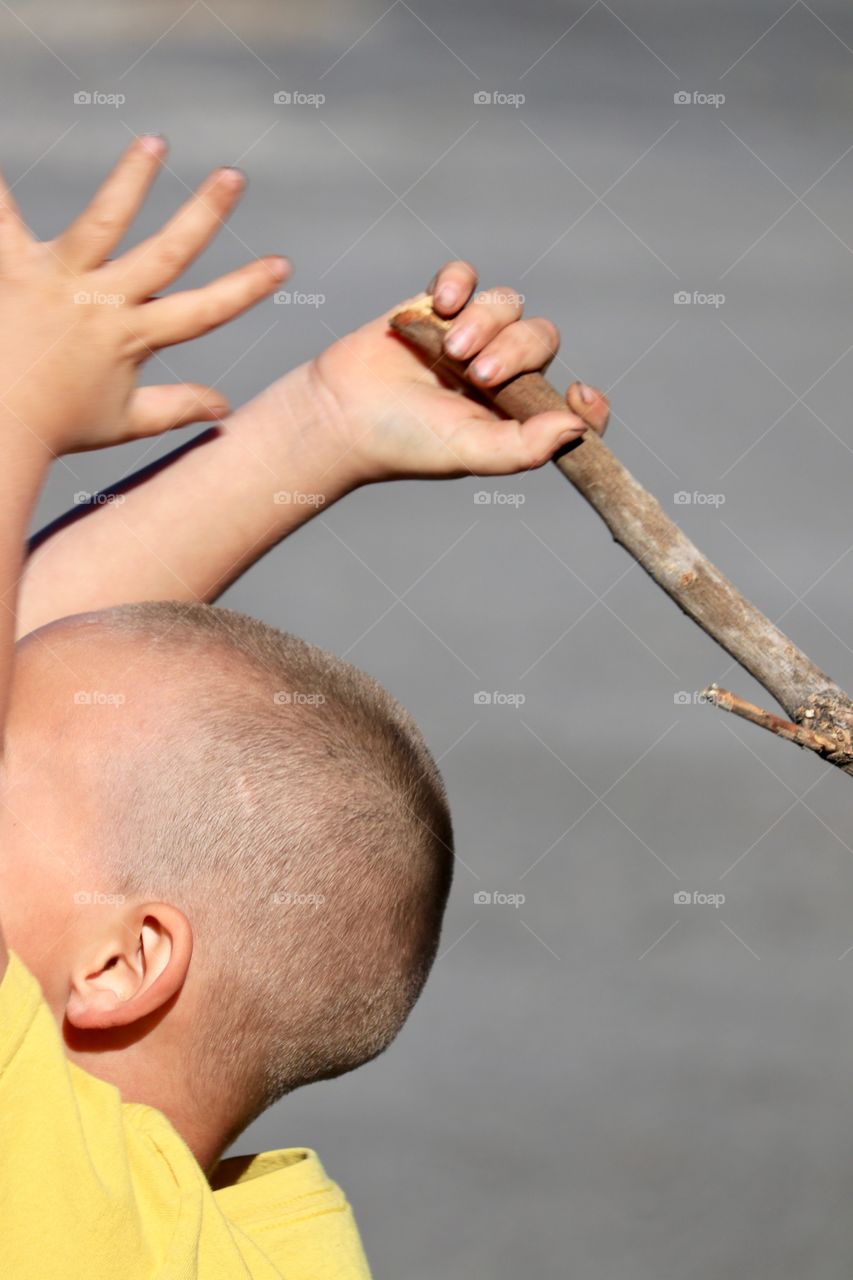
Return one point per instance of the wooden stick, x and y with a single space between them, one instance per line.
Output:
639 524
799 734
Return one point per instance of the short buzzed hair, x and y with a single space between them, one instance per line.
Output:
296 815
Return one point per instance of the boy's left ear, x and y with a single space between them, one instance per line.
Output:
137 962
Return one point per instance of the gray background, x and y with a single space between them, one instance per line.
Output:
600 1083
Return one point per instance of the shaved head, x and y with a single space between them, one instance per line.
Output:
288 805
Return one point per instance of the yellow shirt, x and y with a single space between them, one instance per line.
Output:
94 1187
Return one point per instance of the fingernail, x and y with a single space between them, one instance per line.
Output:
278 267
154 143
460 341
485 369
232 176
587 393
447 296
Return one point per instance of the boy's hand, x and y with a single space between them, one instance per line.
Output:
75 327
394 417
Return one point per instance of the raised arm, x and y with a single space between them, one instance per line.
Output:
75 327
366 409
186 527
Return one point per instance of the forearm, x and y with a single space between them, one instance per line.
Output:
25 464
187 528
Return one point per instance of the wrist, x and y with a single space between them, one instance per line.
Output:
26 454
25 430
296 428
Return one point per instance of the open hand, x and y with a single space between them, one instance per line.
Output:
75 327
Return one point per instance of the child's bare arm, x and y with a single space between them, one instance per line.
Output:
75 327
25 464
366 409
188 526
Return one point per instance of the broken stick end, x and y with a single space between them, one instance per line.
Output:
415 312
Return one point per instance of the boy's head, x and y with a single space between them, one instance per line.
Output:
225 854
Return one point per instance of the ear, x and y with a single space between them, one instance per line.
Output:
138 963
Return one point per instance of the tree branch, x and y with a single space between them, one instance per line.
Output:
802 735
639 524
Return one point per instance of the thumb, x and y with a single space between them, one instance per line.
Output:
157 409
505 447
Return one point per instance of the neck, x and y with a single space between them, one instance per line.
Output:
206 1146
207 1123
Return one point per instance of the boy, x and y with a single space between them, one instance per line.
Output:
224 855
